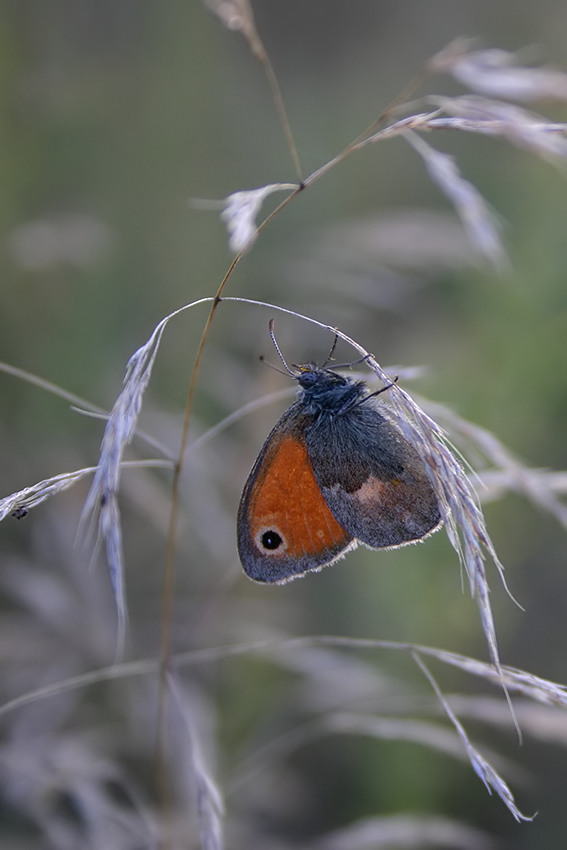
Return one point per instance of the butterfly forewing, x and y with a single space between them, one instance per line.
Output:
285 525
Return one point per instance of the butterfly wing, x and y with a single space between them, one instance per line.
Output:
285 526
372 479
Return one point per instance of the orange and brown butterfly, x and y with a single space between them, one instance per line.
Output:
333 472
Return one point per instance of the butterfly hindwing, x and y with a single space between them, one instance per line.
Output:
372 479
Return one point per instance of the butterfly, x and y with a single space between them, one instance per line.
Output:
333 472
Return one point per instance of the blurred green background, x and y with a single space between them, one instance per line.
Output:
116 117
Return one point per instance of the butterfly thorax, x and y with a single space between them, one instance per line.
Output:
324 391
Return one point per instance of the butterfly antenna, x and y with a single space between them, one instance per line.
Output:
276 346
271 365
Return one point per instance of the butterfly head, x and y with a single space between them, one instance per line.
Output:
323 389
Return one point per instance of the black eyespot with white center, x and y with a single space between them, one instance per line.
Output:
270 540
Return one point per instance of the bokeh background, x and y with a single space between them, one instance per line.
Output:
118 118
